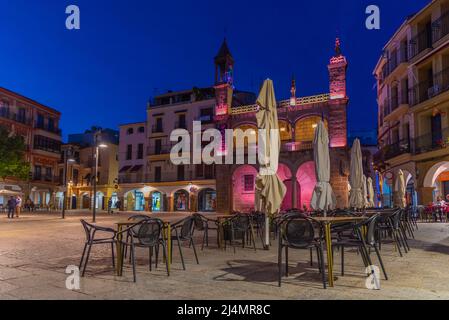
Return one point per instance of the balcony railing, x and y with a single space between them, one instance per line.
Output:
154 150
419 43
432 141
440 27
47 128
430 88
180 125
157 129
6 114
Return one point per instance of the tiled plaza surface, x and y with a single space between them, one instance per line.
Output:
36 249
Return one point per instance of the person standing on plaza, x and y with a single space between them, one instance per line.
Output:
110 206
18 205
11 207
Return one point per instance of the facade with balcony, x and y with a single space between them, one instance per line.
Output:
80 168
39 126
200 187
413 104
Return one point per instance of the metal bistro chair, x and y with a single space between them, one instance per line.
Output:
91 232
183 231
239 227
299 232
146 233
202 223
362 242
134 218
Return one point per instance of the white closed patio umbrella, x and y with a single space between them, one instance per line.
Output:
370 193
356 177
365 192
270 190
323 198
400 190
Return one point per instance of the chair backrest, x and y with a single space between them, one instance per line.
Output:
148 231
240 222
371 233
187 228
137 218
88 229
297 231
199 221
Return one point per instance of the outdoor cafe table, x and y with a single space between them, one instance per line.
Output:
327 222
122 225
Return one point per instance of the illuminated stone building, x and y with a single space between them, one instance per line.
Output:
39 126
298 118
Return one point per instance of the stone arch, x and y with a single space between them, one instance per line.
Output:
285 130
433 173
305 128
306 178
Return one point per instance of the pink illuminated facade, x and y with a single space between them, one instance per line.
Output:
298 118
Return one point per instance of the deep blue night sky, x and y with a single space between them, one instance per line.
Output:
127 51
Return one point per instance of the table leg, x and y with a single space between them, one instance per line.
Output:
330 262
119 252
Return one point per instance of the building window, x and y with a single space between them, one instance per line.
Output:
37 172
159 127
181 172
75 176
248 182
40 121
129 152
181 122
130 131
157 174
141 129
140 151
158 146
199 171
48 174
51 124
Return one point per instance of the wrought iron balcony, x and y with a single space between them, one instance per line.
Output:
419 43
432 141
157 129
430 88
440 27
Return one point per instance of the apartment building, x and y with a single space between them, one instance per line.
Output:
39 126
413 98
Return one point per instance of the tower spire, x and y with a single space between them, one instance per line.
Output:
293 92
337 47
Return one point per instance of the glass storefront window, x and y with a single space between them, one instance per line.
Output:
156 201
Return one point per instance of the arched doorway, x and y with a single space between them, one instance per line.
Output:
285 175
307 180
73 204
243 188
86 202
157 203
437 177
207 199
99 201
114 199
285 131
181 200
135 201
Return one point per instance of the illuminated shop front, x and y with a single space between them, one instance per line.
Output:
156 201
207 200
181 200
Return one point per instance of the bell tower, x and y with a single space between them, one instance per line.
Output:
224 81
338 98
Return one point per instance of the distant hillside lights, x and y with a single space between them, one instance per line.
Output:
213 153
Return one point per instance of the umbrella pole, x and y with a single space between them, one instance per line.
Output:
266 245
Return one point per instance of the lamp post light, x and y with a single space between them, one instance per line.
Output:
97 145
68 157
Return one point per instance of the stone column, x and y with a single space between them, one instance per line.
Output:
147 204
425 195
294 193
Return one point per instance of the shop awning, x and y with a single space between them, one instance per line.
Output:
136 168
4 192
124 169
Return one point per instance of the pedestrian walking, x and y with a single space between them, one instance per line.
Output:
11 207
18 206
110 206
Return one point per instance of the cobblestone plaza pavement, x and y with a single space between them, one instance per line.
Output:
36 249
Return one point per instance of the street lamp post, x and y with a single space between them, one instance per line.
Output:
66 151
97 146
